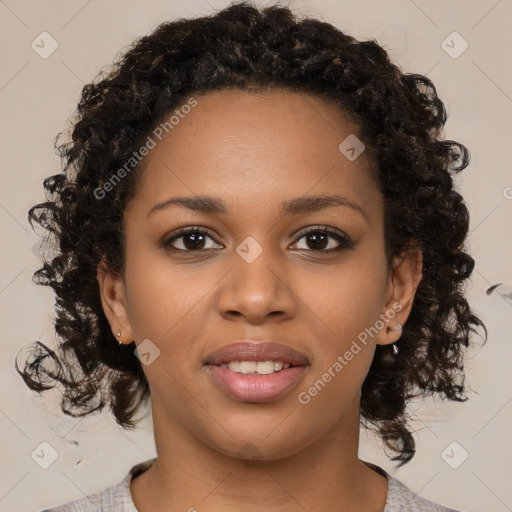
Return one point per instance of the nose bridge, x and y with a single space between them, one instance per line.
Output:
256 286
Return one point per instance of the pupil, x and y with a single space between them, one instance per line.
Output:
318 237
196 237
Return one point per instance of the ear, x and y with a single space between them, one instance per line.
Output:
113 300
404 278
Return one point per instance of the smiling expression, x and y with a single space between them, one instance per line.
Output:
284 242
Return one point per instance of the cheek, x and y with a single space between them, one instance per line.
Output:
163 300
344 347
332 389
345 302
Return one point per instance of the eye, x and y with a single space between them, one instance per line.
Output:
193 239
318 238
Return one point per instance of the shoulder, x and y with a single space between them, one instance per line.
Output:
401 498
114 498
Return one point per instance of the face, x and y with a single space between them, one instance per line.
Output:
312 279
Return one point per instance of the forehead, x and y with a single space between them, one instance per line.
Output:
255 147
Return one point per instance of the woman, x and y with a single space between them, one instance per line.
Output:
258 230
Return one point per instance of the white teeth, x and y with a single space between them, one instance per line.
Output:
260 367
247 366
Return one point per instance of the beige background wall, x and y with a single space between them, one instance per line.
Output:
38 95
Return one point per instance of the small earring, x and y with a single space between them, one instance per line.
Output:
118 335
393 327
395 348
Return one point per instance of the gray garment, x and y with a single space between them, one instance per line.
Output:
117 498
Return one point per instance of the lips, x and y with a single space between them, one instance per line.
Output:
257 351
256 387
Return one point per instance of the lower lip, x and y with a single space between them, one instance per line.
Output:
254 387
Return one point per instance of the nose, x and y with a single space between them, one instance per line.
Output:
257 292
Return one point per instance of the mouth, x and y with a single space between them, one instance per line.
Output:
256 372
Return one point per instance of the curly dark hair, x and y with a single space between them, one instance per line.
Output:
242 47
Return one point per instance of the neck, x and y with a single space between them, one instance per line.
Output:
190 474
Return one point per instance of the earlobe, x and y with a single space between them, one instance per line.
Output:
113 300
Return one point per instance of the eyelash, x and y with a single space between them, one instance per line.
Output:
345 242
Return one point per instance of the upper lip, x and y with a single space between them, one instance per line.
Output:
257 351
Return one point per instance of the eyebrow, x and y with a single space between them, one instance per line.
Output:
295 206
